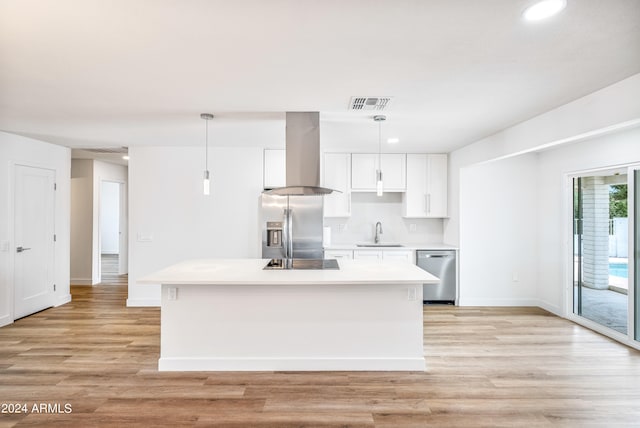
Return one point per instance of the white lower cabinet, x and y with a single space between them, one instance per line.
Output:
404 255
338 254
367 254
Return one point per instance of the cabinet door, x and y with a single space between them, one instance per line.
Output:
275 172
437 185
337 176
367 254
365 165
414 200
338 254
426 194
394 172
363 171
403 255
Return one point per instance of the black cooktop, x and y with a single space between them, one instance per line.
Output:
309 264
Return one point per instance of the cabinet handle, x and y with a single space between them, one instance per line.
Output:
428 203
424 203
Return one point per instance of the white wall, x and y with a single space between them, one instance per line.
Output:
554 204
612 108
81 221
110 218
16 149
498 233
585 133
367 209
171 220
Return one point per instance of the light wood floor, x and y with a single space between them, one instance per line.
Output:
109 268
489 367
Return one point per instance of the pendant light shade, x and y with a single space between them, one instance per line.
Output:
206 182
379 185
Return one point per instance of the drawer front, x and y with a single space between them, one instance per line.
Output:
338 254
367 254
403 255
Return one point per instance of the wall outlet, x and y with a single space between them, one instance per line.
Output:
411 293
172 293
142 237
515 277
4 246
342 227
412 227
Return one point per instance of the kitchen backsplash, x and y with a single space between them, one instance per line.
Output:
368 208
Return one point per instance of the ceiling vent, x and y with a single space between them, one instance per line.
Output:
118 150
369 103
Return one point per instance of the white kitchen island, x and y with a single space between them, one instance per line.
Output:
233 315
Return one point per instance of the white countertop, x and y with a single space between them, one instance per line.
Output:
250 272
405 246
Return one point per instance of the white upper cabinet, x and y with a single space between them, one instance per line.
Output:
437 178
275 170
363 171
426 194
337 176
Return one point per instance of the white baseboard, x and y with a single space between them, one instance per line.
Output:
480 301
291 364
143 302
61 300
81 281
5 320
551 308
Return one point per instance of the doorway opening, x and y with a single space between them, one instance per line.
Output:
112 261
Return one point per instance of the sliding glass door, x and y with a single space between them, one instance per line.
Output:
601 250
635 248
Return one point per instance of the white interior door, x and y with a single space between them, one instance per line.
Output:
34 211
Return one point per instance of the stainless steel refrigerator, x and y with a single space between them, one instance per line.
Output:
291 227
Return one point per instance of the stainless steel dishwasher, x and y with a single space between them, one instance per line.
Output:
441 263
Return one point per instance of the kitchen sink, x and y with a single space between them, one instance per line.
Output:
380 245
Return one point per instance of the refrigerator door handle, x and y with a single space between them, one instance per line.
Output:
285 233
288 227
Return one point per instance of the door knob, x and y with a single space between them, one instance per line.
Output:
21 249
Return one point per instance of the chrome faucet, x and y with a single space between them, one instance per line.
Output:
378 232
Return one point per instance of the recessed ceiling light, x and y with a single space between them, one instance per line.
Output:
544 9
125 157
394 140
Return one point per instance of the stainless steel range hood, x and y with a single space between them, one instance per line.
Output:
302 156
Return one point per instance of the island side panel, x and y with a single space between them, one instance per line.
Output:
292 327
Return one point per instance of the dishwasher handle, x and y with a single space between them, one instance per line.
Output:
433 256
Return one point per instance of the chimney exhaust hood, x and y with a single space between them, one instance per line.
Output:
302 156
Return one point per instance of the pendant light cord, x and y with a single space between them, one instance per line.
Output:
206 146
380 145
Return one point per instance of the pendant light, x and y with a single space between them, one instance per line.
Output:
206 181
379 188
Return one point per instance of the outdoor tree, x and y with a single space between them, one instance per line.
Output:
618 201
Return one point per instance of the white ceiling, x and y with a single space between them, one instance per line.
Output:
95 73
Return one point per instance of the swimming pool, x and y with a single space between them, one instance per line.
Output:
619 269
